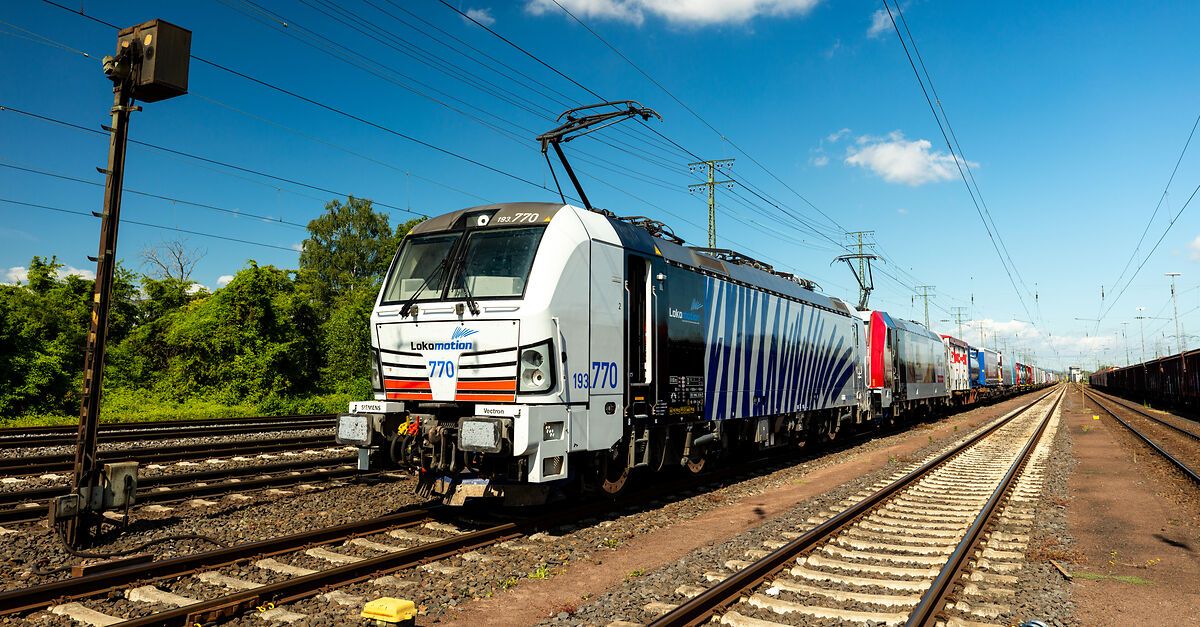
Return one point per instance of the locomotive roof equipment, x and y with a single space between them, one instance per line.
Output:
577 126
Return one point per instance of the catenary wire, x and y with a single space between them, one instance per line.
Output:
1153 215
957 160
128 190
148 224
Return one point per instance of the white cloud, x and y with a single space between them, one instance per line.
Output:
483 16
17 275
689 12
898 160
837 136
820 161
298 247
196 288
902 211
832 50
72 271
20 274
224 280
1194 246
880 23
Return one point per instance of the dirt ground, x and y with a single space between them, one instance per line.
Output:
533 601
1136 527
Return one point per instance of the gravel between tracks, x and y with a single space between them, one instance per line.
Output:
1042 592
1041 589
7 484
491 571
230 520
200 440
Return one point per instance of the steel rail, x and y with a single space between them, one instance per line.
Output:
29 599
23 600
17 432
700 608
26 514
297 588
34 464
1188 471
164 434
1113 399
925 614
17 497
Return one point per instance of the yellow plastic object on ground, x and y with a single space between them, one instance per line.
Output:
391 611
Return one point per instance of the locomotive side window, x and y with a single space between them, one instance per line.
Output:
420 261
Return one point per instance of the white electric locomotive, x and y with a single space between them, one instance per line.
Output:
519 345
527 347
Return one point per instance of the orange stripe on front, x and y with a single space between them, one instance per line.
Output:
392 384
491 386
487 398
405 396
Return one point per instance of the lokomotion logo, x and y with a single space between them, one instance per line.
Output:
692 316
456 342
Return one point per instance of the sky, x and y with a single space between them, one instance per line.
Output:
1069 118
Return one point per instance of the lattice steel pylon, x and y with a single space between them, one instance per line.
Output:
713 165
863 272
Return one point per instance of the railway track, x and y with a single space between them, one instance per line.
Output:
285 570
1177 445
20 437
936 542
30 505
53 463
321 562
371 549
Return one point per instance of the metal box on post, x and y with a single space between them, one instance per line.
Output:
120 484
164 50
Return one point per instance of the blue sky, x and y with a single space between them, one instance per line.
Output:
1071 115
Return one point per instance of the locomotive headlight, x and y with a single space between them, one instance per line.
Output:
531 357
537 369
376 374
533 379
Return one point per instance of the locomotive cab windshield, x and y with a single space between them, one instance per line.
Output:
469 263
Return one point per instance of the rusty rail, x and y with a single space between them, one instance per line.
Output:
700 608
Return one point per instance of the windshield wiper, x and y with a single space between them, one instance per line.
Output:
471 304
408 304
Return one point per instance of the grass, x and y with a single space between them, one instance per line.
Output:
541 572
611 543
1130 579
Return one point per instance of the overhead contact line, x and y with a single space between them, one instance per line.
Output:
958 163
87 214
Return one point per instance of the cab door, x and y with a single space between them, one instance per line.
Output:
602 377
639 334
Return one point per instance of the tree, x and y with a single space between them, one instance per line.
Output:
348 248
252 340
43 332
172 259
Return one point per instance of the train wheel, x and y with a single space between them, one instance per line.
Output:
614 473
695 465
830 429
